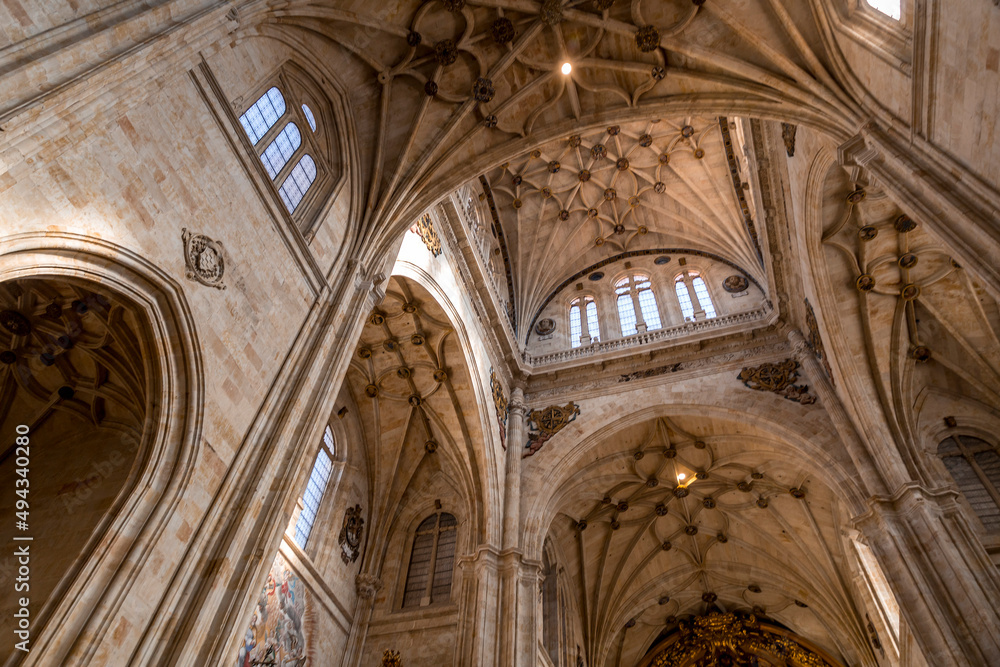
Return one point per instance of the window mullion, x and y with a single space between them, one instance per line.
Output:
433 561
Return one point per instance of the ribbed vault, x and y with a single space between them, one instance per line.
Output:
679 517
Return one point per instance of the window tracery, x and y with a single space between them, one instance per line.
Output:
637 309
700 305
974 464
584 328
432 562
296 161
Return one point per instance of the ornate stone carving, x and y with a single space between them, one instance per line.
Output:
735 284
482 89
778 378
500 405
350 535
543 424
788 136
367 585
391 658
203 259
545 326
424 228
502 30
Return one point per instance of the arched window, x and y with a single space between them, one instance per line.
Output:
699 307
270 123
315 488
684 298
891 8
432 561
637 309
974 464
583 325
264 113
701 291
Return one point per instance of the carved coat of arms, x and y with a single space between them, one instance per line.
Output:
203 259
350 534
543 424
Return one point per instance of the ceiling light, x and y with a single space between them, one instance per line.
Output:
681 476
567 68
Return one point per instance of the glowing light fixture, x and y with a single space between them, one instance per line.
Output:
681 476
567 68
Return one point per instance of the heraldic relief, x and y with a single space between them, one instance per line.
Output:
350 535
203 259
543 424
779 378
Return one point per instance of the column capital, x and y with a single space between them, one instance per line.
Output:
367 585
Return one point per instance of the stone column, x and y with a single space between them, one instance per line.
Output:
367 586
479 625
512 473
947 587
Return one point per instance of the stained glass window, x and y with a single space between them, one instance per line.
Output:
264 113
315 488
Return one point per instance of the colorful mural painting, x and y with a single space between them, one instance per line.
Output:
281 623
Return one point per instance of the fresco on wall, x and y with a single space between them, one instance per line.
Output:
281 622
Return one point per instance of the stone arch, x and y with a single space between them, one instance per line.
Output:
94 592
489 469
635 574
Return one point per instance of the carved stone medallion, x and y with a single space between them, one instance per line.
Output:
735 284
545 326
203 259
350 535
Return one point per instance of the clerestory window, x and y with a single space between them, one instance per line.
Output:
699 306
637 310
583 325
891 8
289 139
319 478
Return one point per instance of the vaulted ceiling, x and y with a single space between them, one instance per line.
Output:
679 517
443 90
589 196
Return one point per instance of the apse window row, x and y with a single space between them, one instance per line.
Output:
637 307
